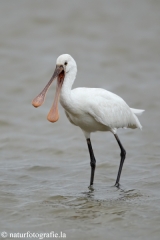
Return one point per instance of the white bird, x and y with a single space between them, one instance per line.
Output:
92 109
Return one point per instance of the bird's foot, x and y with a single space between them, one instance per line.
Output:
117 185
91 187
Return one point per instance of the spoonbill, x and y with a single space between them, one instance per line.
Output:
92 109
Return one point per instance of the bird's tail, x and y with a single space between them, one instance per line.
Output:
137 111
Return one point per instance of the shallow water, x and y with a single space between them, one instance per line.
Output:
44 173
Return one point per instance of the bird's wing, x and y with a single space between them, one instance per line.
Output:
111 110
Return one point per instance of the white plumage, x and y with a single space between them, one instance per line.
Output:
95 109
92 109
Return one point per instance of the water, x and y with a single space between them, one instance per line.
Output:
44 173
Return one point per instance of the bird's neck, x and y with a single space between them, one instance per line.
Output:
65 96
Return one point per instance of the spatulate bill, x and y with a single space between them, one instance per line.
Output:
39 100
53 114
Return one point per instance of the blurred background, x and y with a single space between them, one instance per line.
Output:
44 167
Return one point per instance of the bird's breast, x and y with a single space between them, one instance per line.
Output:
86 122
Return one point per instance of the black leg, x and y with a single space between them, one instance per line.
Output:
123 155
92 162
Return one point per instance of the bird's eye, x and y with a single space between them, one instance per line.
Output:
65 63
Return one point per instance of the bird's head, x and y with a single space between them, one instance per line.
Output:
64 64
